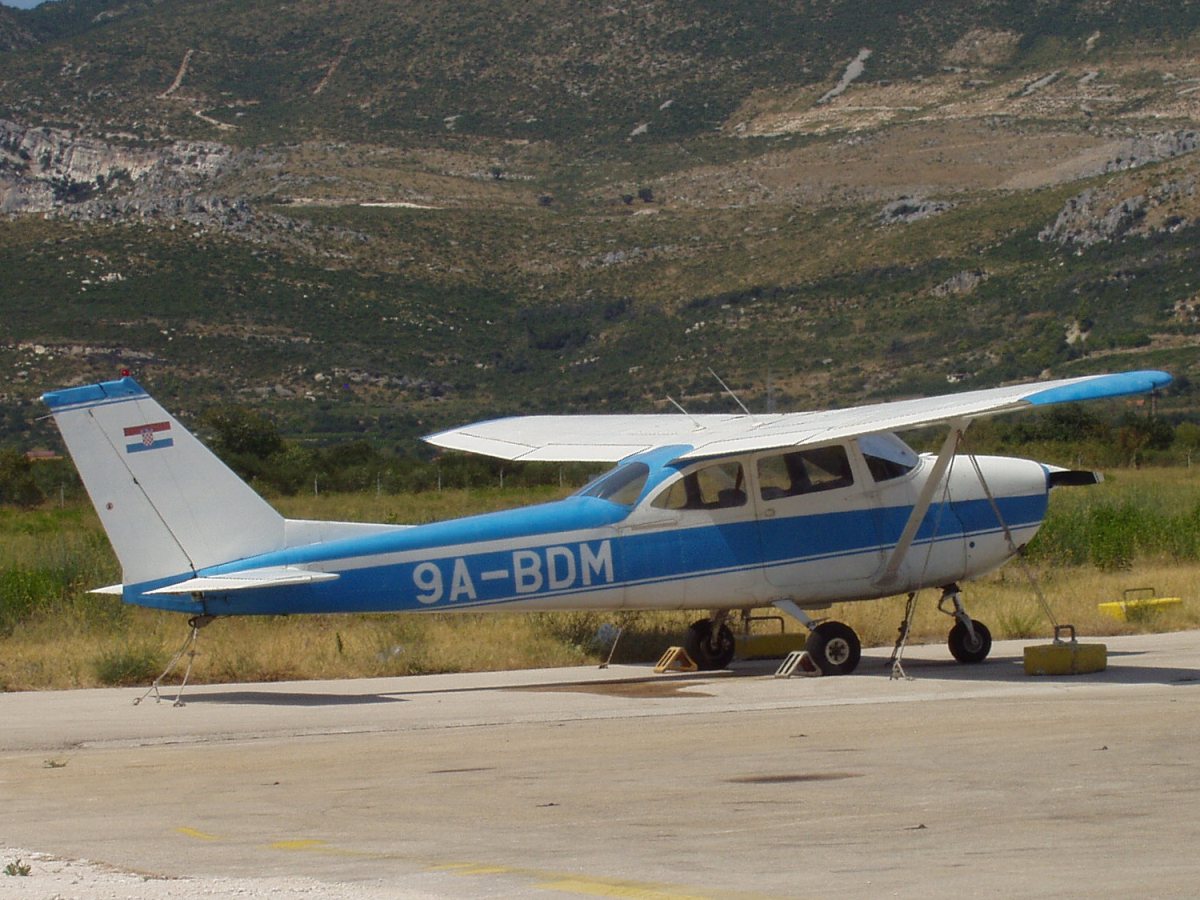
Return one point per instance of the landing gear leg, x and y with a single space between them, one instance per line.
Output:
910 607
902 633
188 649
709 642
969 640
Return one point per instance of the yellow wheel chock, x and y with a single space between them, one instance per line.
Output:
676 659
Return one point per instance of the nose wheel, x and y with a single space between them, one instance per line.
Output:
970 645
969 640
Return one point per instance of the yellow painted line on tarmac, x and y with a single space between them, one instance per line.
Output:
570 884
197 834
544 880
626 890
302 844
313 845
477 868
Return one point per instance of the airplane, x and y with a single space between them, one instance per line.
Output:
714 512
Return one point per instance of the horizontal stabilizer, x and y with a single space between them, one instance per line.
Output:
115 590
245 581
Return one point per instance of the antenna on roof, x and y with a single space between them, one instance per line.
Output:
770 385
735 397
685 412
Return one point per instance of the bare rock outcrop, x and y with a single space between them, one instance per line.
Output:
911 209
961 283
1098 216
55 172
1147 149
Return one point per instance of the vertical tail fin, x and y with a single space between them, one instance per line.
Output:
168 504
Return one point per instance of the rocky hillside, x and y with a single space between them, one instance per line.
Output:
576 72
13 34
379 218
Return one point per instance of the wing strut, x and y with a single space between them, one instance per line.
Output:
957 428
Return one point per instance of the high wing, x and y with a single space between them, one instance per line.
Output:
610 438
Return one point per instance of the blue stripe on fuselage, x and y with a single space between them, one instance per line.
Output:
581 538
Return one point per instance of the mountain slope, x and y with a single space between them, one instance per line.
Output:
383 218
579 72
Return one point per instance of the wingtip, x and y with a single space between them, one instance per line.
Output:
1097 387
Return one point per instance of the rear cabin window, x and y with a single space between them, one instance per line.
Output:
719 486
804 472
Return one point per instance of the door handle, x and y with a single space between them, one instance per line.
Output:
646 526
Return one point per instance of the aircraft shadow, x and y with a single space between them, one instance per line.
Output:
1012 668
996 669
286 698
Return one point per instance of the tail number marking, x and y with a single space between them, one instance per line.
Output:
556 568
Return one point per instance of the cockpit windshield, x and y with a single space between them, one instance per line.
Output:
622 485
887 456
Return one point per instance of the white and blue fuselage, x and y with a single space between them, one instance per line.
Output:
591 551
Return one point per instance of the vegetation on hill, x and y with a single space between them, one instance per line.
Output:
370 221
578 73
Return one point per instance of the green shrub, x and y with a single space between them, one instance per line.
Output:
129 665
24 592
17 868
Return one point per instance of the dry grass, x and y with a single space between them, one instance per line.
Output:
66 638
68 652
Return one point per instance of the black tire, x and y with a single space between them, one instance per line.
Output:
964 649
834 648
709 654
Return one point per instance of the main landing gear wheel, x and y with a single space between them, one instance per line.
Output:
834 647
968 649
709 649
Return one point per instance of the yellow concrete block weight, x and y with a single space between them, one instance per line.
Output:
1065 657
767 646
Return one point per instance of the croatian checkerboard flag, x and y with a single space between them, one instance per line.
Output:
151 436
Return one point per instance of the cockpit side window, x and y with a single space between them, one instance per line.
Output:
887 456
804 472
719 486
622 485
